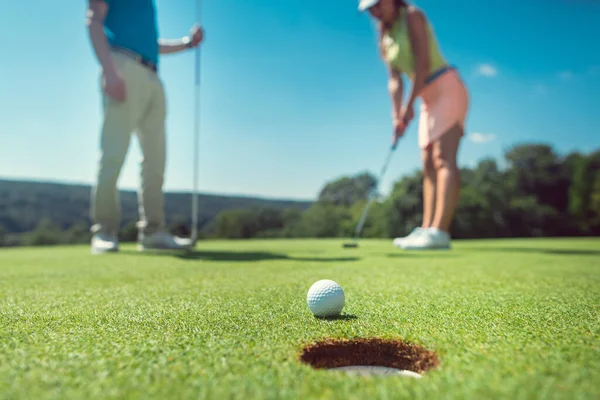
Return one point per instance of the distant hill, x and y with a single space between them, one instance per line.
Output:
23 204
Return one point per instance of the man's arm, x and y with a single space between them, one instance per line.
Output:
113 84
96 14
169 46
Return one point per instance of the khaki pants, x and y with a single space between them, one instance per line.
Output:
143 111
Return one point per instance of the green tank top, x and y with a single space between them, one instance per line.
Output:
398 51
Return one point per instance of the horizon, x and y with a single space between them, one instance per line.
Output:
166 192
499 163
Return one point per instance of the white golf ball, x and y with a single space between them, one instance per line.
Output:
325 298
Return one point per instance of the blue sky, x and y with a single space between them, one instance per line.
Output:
293 93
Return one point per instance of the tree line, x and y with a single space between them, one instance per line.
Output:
537 193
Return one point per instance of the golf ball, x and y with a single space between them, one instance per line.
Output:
325 298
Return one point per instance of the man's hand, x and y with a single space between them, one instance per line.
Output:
196 35
113 85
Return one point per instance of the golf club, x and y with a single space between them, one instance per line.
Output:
196 136
372 196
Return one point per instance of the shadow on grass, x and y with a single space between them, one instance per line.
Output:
238 256
423 253
342 317
555 251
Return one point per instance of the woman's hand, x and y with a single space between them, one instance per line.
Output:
399 129
407 114
401 123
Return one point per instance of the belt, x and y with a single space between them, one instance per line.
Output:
439 72
138 58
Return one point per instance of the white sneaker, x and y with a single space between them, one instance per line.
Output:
163 241
104 243
428 239
399 242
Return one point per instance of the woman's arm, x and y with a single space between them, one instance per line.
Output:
395 84
418 38
396 89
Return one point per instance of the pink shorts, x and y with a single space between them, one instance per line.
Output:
445 102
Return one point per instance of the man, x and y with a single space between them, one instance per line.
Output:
124 36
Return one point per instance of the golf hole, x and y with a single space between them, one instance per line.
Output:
368 357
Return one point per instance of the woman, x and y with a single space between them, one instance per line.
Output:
408 45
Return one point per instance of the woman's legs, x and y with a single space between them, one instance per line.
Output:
429 178
440 193
429 183
443 112
448 178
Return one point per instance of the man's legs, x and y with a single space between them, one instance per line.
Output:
151 135
119 121
114 142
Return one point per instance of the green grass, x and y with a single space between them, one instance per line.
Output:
513 319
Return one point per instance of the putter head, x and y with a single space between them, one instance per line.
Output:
350 245
194 240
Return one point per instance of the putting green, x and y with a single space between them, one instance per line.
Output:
505 318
